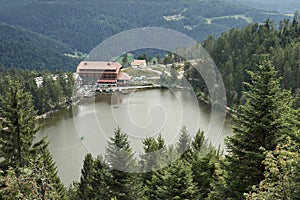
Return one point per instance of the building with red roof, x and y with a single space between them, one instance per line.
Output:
102 72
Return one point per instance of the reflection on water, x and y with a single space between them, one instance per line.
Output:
86 128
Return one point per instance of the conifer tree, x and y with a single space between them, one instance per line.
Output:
151 155
198 143
153 184
18 186
152 160
43 163
85 189
30 161
281 176
101 180
18 126
172 182
119 157
260 123
184 143
203 164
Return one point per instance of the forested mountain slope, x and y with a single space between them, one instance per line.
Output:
24 49
280 6
84 24
239 50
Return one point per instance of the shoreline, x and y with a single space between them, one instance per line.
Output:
45 115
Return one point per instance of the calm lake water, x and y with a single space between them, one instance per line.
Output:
87 127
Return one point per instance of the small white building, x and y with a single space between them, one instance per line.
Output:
138 63
39 81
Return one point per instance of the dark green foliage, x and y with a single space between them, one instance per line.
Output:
50 95
28 171
203 164
153 148
95 180
281 176
177 182
18 125
85 25
20 186
102 180
23 49
198 144
260 124
151 162
44 164
193 172
85 190
119 157
172 182
239 50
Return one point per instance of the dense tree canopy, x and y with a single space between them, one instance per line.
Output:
260 123
27 168
239 50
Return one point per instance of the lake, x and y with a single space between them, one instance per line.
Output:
86 127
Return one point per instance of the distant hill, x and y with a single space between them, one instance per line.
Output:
283 7
84 24
24 49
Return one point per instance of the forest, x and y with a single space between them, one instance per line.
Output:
55 91
239 50
260 68
262 161
23 49
83 25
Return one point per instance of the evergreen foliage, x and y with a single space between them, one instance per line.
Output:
54 91
177 182
239 50
18 126
43 163
95 180
69 22
281 176
184 143
85 190
260 123
28 171
23 49
120 159
203 164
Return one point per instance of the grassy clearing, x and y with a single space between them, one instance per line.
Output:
140 72
158 68
244 17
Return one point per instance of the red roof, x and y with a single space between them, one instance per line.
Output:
123 76
106 81
99 65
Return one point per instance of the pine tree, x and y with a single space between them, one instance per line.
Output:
203 164
19 126
260 123
281 174
30 161
85 189
119 157
101 180
43 163
176 182
151 155
184 143
198 144
18 186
